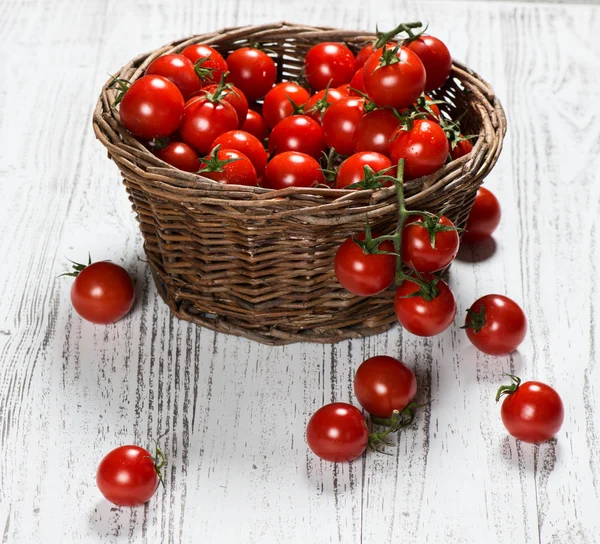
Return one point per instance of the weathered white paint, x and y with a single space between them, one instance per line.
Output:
234 412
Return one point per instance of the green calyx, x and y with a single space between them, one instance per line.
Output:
212 163
320 106
203 72
122 86
427 289
432 224
372 179
475 320
219 92
508 389
384 37
77 268
370 245
399 420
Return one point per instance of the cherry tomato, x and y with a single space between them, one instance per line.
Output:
247 144
496 325
278 102
364 274
208 62
365 53
532 412
483 218
357 84
128 476
152 107
252 70
229 166
235 97
180 156
328 63
374 131
340 122
435 57
419 253
424 148
398 84
462 148
179 70
291 169
297 133
344 89
433 107
422 317
318 103
255 125
102 292
352 170
204 121
337 432
383 384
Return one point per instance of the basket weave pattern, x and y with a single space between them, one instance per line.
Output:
259 263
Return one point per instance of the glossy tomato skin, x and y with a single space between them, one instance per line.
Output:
277 105
534 413
344 89
340 122
364 274
102 293
365 53
311 107
435 57
328 63
239 172
337 432
421 317
247 144
462 148
256 125
127 476
357 84
396 85
505 325
424 148
212 61
297 133
252 70
352 169
152 107
179 70
291 169
180 156
374 131
484 217
383 384
235 97
204 121
417 252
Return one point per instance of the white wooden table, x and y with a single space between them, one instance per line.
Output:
233 412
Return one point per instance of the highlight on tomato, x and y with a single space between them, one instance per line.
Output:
292 169
229 166
484 217
328 63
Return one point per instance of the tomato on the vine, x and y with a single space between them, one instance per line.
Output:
180 156
337 432
252 70
328 63
208 62
366 52
283 100
291 169
247 144
496 324
179 70
319 102
383 384
532 411
234 96
352 170
484 217
429 244
424 317
255 125
340 122
374 131
229 166
297 133
364 274
435 57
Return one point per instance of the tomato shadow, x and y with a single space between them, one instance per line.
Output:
477 253
491 369
116 523
522 454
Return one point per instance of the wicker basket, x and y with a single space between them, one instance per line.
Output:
259 263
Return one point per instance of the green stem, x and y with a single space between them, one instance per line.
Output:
385 37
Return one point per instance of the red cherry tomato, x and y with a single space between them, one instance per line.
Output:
247 144
291 169
365 53
318 103
337 432
398 84
208 62
364 274
532 412
374 131
424 148
255 125
239 171
252 70
102 292
352 170
496 325
344 89
204 121
278 101
328 63
357 84
128 476
383 384
179 70
484 217
297 133
152 107
180 156
462 148
433 107
235 97
435 57
417 249
422 317
340 122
